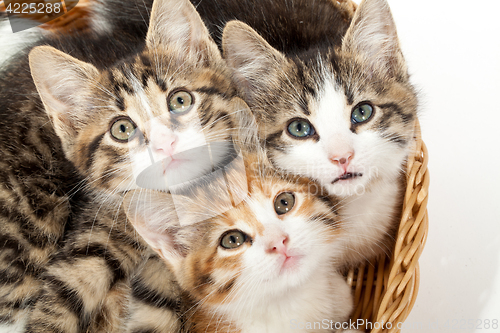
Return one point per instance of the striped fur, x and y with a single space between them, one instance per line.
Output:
86 285
105 278
36 198
38 186
298 92
62 173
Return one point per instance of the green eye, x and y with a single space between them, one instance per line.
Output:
300 128
284 202
361 113
233 239
122 129
180 101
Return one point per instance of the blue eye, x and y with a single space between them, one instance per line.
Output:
361 113
300 128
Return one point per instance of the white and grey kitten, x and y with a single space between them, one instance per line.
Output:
340 114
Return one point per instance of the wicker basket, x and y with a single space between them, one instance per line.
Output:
385 291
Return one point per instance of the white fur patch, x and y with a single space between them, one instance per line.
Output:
190 148
18 327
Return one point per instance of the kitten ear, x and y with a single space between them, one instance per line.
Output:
63 83
154 218
177 22
255 63
372 35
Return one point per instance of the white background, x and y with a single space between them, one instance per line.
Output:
453 51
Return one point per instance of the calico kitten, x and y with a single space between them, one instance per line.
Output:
264 265
340 114
126 117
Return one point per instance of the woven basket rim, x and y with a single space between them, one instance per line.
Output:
385 292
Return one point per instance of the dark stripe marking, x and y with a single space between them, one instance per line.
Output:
69 296
91 150
120 102
212 91
153 298
224 289
405 117
273 137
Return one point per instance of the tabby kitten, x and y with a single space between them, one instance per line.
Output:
264 265
151 115
125 117
340 114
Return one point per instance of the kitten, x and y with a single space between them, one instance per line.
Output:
341 114
38 185
264 265
125 116
157 111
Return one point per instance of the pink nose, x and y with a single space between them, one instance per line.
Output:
278 245
164 143
342 160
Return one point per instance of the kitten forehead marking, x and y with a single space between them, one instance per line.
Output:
140 94
330 116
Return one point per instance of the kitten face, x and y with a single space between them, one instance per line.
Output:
328 144
272 242
343 116
257 245
155 120
157 134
